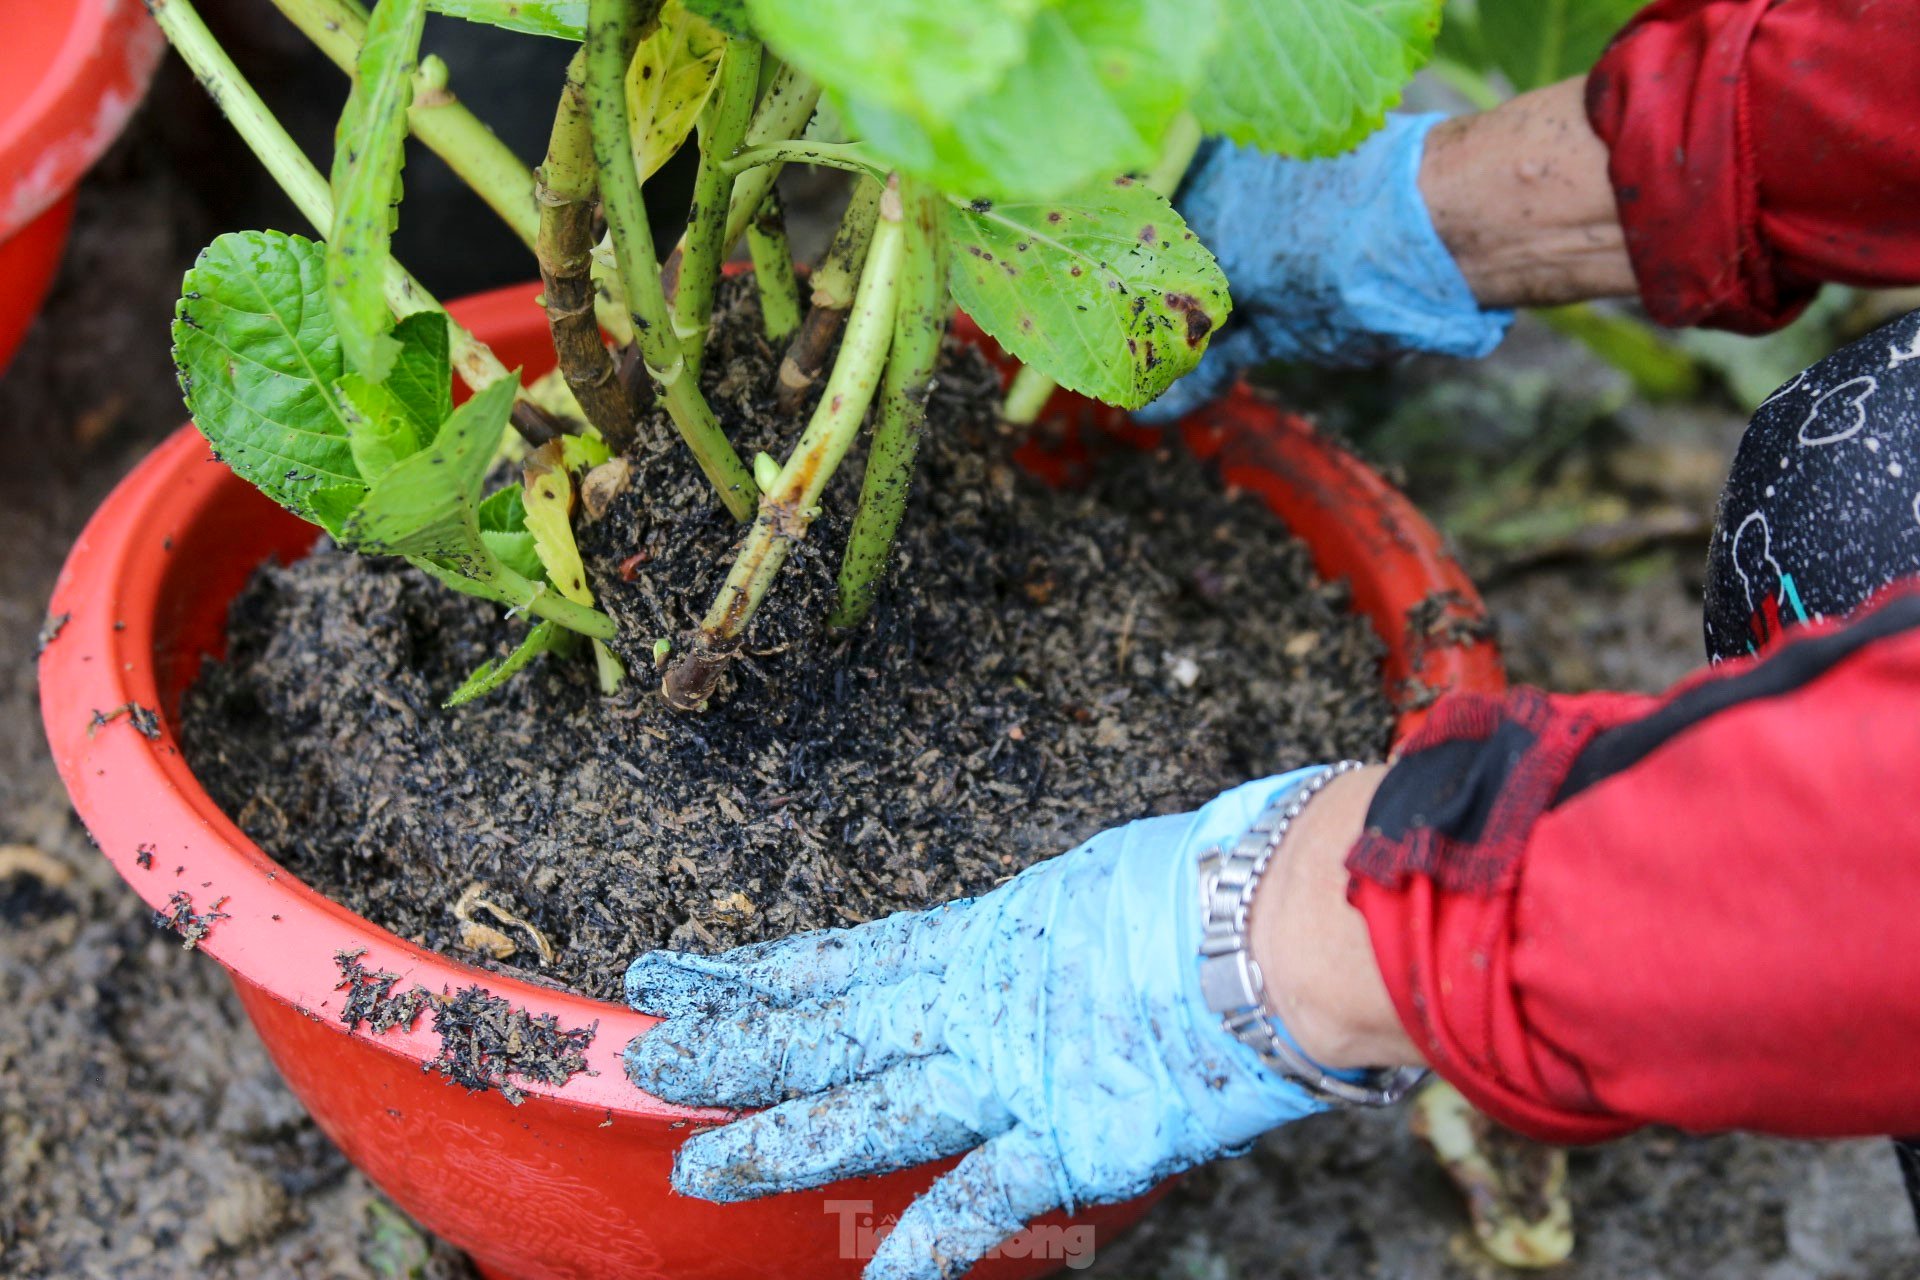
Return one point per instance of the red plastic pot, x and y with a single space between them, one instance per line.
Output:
573 1183
71 72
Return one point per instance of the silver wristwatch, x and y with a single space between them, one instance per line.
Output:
1230 980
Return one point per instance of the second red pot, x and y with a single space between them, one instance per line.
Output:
71 73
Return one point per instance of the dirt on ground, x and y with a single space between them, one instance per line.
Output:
144 1134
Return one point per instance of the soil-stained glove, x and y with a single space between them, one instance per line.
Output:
1335 262
1054 1029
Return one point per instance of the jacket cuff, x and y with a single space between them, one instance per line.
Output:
1436 874
1670 99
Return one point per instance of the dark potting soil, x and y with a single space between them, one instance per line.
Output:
1041 665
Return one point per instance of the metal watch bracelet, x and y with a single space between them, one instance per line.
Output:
1230 979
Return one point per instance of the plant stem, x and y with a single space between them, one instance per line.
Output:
790 506
773 271
1027 395
339 27
1176 156
834 281
504 586
472 359
783 112
565 250
850 156
551 605
722 128
1030 389
613 28
919 324
487 165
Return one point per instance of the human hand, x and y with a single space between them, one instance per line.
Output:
1330 261
1054 1029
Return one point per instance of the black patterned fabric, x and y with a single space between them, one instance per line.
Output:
1822 508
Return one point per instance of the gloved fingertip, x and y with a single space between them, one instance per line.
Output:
664 1065
712 1166
671 984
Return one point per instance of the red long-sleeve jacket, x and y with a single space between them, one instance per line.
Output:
1702 909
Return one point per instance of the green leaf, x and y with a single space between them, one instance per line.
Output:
921 56
668 82
422 377
428 505
388 421
330 508
379 430
566 19
1312 77
258 357
1106 291
503 527
585 451
1099 87
492 674
547 492
1541 42
728 15
369 145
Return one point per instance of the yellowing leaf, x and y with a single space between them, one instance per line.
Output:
669 81
547 491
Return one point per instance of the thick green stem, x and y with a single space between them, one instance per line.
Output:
613 29
834 282
722 128
919 323
339 27
1027 395
1030 390
790 505
783 112
565 250
472 359
438 119
773 271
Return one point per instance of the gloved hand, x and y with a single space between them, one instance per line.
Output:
1053 1028
1330 261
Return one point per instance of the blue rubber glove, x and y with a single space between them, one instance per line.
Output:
1334 262
1053 1028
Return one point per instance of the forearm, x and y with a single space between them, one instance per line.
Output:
1313 948
1522 199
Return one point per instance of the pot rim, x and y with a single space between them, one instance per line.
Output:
282 936
75 103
